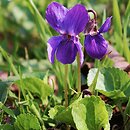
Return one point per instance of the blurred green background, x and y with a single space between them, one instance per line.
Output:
24 33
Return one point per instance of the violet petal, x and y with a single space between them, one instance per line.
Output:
55 14
75 20
96 46
52 45
66 52
106 25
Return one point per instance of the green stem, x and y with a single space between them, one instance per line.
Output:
66 88
9 60
79 74
93 85
66 3
34 109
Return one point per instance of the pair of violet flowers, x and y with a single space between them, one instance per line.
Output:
69 23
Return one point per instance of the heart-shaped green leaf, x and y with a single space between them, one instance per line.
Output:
91 114
27 122
111 82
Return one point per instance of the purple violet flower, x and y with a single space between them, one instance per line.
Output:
95 44
68 23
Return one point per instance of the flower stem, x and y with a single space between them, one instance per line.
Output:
94 13
66 3
93 85
79 75
66 88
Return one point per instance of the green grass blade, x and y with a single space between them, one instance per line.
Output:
125 42
126 18
41 24
104 16
9 60
7 110
116 18
126 49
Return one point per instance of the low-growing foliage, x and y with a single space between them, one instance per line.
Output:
38 95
